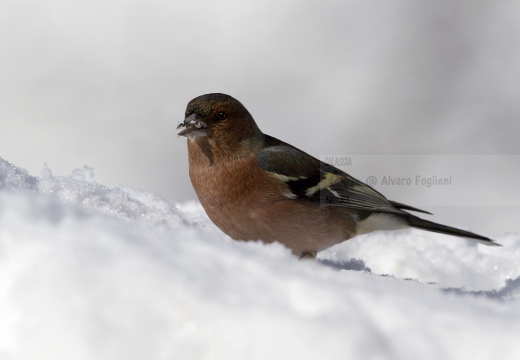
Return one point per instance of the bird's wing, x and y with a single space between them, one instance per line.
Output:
311 179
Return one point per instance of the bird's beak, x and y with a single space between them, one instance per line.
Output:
193 127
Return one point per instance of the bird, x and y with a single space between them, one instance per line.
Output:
256 187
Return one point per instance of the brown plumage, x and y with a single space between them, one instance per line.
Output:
256 187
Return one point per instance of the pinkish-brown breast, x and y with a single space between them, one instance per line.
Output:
247 203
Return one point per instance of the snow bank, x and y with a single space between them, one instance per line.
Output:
90 272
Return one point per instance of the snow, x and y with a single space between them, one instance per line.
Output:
91 272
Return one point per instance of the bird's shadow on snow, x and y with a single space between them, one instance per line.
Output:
510 291
351 264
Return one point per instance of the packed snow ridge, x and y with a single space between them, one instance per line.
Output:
91 272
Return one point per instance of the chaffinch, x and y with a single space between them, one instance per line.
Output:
256 187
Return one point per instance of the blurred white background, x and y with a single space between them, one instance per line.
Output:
104 84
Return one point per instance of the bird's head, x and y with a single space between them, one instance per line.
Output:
220 118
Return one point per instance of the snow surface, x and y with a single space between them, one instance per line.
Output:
90 272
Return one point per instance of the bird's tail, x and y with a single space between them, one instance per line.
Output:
419 223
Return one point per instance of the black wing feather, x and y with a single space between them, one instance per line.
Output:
303 173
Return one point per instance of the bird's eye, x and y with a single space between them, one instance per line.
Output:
221 115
